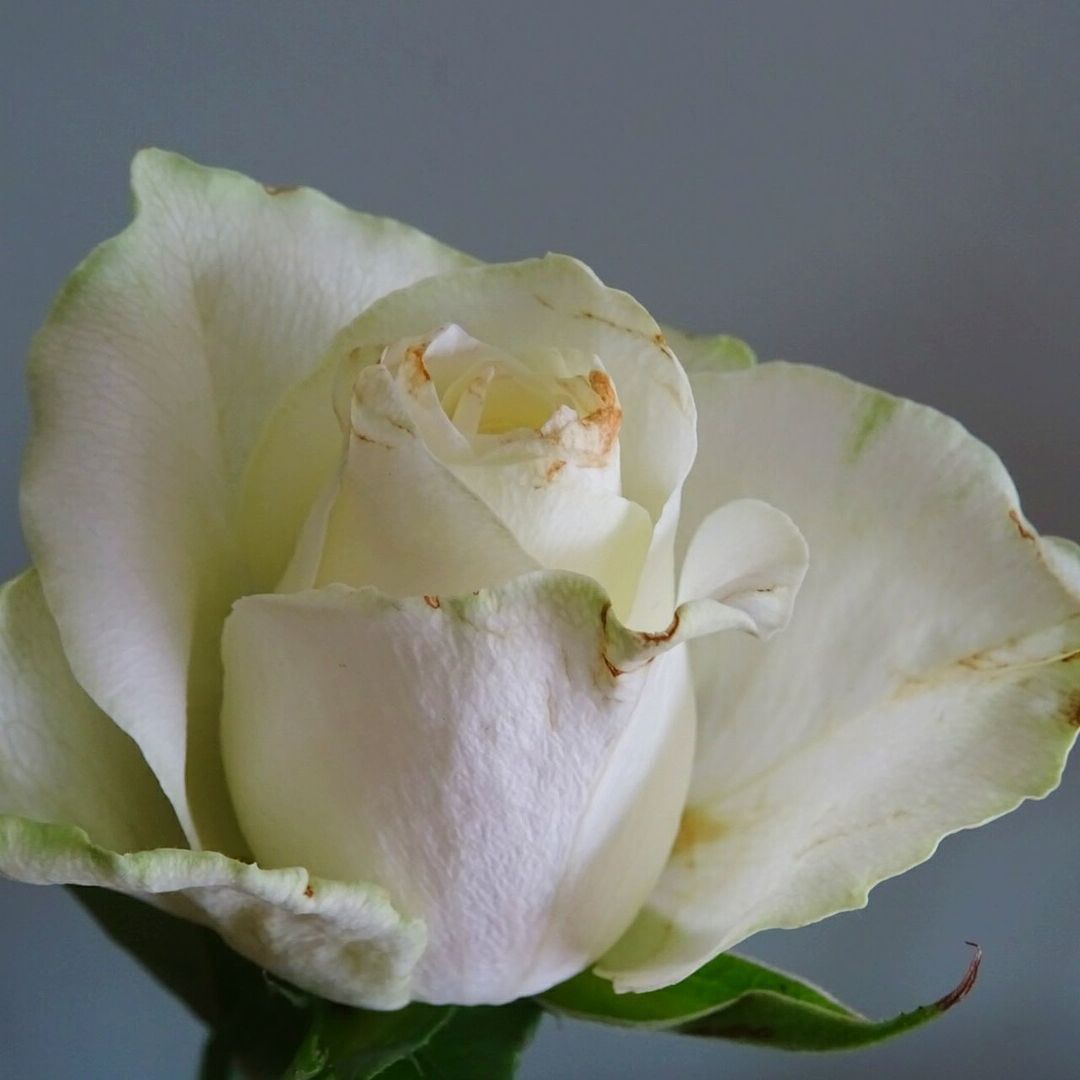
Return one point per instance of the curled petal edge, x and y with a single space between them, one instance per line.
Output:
342 941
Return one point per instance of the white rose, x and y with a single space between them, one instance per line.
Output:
472 724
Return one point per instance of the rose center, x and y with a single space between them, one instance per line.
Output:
493 398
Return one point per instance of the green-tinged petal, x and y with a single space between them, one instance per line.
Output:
62 760
150 381
928 682
342 941
734 998
709 352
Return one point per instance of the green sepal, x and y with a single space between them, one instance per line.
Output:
734 998
451 1042
255 1021
485 1041
354 1044
709 352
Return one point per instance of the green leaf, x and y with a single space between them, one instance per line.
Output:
735 998
253 1019
353 1044
486 1041
177 953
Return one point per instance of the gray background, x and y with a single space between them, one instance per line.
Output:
891 190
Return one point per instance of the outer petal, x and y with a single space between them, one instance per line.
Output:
929 681
62 760
480 757
344 942
150 381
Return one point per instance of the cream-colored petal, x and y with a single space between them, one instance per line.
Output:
929 680
62 760
555 304
150 380
395 518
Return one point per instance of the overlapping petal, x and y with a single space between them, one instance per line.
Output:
554 303
477 756
150 381
511 765
929 680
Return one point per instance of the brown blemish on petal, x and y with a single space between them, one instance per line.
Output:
607 416
418 372
309 892
613 671
370 441
553 470
282 189
1071 711
544 302
663 635
593 317
661 343
697 828
1021 528
432 601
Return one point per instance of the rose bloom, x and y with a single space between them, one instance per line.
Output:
411 621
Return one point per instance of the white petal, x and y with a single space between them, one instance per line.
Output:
929 680
564 524
479 757
150 381
342 941
748 556
551 303
555 303
62 760
396 518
